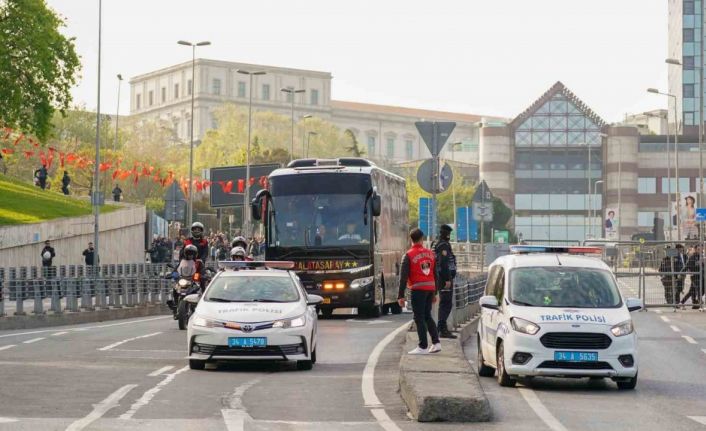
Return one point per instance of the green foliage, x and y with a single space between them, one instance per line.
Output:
354 149
38 68
25 203
154 204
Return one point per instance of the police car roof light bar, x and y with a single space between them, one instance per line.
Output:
242 264
526 249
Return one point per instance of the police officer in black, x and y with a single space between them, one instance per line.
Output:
445 273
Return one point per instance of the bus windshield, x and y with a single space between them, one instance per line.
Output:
319 210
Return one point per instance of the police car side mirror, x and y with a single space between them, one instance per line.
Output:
193 298
490 302
376 205
314 300
634 304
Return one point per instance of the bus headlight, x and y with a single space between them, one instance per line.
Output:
622 329
524 326
360 282
296 322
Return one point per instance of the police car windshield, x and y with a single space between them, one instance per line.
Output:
563 287
252 289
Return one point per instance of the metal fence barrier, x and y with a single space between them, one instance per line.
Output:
75 288
467 292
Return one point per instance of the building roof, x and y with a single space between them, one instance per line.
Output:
406 112
558 87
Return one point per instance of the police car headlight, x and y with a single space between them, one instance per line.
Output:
524 326
360 282
296 322
205 323
621 329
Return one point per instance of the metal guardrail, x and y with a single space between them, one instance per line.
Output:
77 288
466 294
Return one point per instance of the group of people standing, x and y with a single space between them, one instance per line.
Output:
429 275
674 267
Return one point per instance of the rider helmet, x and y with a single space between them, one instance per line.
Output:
237 253
190 252
240 241
197 230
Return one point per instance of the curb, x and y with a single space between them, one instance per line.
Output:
442 387
31 321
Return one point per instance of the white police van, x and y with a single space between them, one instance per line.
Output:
553 311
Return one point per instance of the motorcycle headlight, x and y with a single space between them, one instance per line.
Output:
183 283
290 323
622 329
205 323
360 282
524 326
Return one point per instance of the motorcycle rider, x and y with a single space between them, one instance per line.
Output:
237 253
196 239
240 241
188 266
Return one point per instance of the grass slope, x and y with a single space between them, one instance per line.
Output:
22 203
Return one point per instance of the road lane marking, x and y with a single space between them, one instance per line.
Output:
540 410
7 420
658 311
699 419
101 408
149 394
160 371
86 328
59 333
236 415
370 399
703 350
665 318
9 346
127 340
384 420
689 339
33 340
675 328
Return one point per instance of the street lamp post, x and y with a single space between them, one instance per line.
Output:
190 208
589 205
117 112
246 199
308 137
595 210
669 175
453 185
676 159
96 170
292 92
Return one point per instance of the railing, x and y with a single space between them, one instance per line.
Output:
81 288
466 295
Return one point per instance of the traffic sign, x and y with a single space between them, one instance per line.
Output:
482 211
174 204
482 193
425 180
701 214
435 134
425 215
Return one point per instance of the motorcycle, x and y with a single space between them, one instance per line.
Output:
185 284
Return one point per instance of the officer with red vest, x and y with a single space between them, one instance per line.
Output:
417 272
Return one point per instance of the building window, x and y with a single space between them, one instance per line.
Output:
150 97
390 147
164 94
684 185
241 88
314 97
688 35
647 185
689 7
217 87
409 149
645 218
189 87
688 61
138 100
176 91
290 94
371 145
688 90
265 91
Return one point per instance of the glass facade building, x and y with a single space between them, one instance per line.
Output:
686 21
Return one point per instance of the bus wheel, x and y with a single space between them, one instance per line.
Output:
385 309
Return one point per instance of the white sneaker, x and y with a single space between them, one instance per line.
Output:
435 348
418 351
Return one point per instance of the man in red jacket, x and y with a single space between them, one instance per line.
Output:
418 272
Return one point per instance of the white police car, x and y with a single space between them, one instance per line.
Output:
250 311
551 311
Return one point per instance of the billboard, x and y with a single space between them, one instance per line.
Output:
687 215
610 223
228 182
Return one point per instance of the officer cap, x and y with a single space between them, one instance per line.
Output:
445 228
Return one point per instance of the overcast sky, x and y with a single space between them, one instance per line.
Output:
488 57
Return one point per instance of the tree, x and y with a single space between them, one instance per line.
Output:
355 148
38 68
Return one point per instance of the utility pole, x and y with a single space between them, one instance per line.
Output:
96 166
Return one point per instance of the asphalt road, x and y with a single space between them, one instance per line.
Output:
132 374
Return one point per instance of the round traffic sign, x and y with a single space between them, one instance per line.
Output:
426 182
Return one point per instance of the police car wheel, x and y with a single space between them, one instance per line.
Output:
305 365
196 364
483 370
504 379
628 384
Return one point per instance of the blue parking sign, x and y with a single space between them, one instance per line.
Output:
701 214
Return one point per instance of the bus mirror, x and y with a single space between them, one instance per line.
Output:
256 208
377 205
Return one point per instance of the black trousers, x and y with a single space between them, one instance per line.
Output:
445 306
421 307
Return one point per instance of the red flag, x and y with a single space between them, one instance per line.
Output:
184 186
229 187
18 139
252 181
7 151
241 186
28 154
104 166
61 160
199 186
116 173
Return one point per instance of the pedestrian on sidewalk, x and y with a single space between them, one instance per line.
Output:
693 264
47 256
117 193
445 274
65 182
417 272
672 279
89 255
